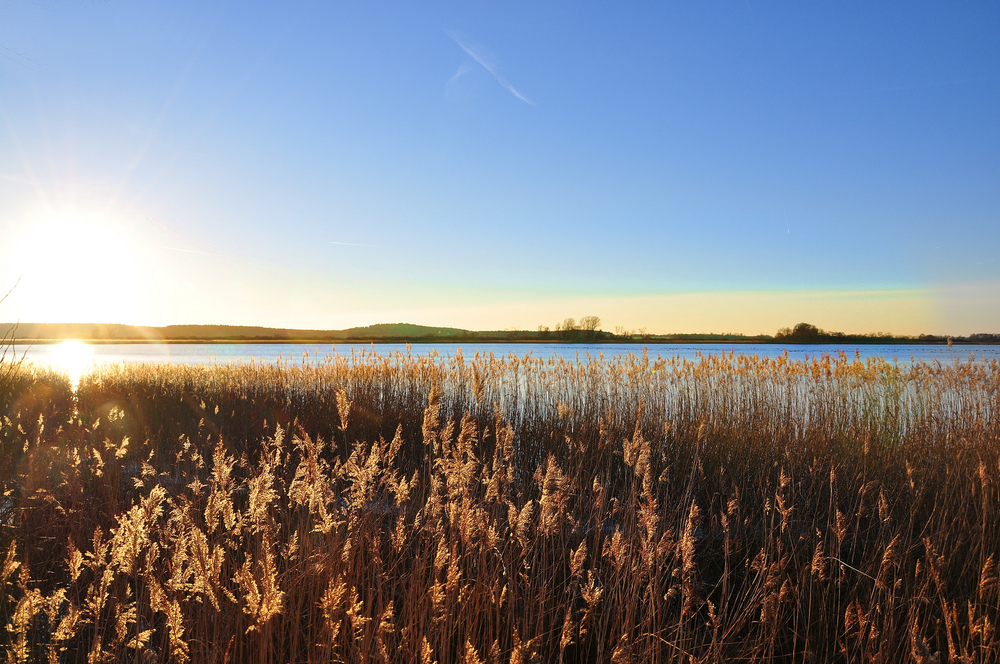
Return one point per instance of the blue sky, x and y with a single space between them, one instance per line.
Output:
680 167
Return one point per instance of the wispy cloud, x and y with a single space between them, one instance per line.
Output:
462 70
352 244
482 56
194 251
15 56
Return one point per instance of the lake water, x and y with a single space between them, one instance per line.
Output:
86 355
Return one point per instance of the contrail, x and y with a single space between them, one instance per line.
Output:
352 244
478 54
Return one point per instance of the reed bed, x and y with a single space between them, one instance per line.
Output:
364 508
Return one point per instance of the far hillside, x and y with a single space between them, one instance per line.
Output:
586 330
232 333
806 333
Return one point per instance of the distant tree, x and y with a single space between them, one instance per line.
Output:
802 333
567 329
588 326
544 332
568 325
805 331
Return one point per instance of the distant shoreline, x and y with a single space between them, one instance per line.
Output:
494 341
402 333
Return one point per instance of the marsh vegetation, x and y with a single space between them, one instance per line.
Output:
423 509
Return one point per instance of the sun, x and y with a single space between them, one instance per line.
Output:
77 268
74 358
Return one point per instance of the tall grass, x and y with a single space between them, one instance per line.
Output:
422 509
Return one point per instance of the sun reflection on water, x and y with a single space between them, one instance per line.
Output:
73 357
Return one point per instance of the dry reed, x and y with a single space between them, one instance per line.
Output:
423 509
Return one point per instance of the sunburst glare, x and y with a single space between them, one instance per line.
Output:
76 266
75 358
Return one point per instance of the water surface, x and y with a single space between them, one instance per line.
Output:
56 354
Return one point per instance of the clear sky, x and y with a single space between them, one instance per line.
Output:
675 166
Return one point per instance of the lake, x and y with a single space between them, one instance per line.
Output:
84 355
